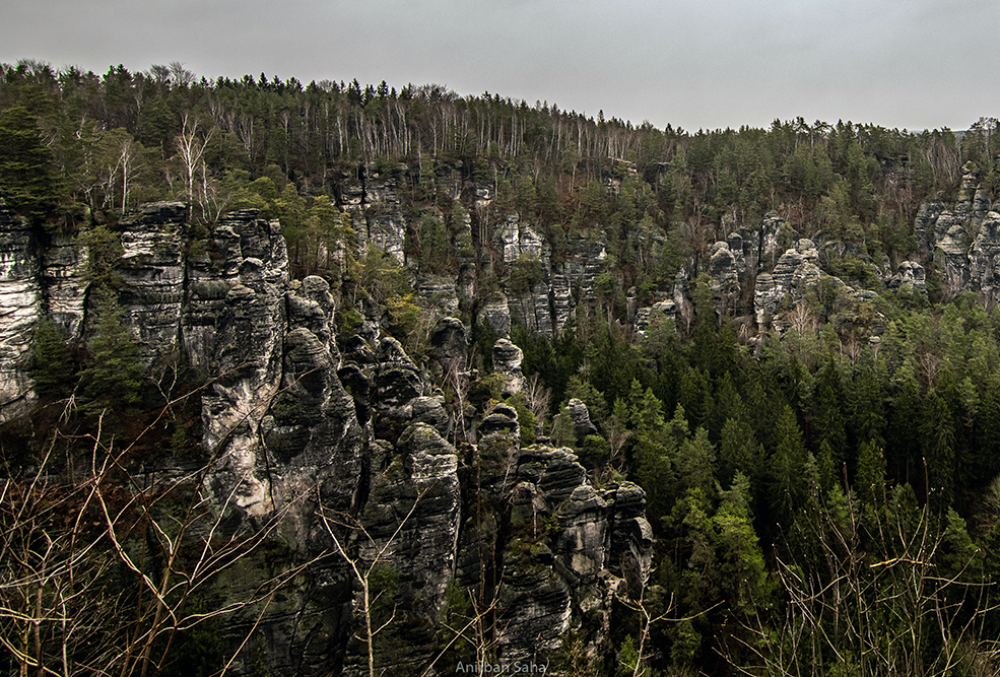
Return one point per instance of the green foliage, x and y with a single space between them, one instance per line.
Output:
563 431
915 422
379 275
349 321
486 388
526 420
112 375
554 360
525 272
787 464
871 470
594 451
433 249
104 252
28 181
628 659
52 364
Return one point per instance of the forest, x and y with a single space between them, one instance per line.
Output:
822 480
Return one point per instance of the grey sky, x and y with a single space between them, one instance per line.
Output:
694 63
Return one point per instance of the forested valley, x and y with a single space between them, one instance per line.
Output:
354 379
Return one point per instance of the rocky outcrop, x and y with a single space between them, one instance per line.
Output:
20 302
550 573
152 270
235 328
507 358
664 307
411 525
550 303
580 416
449 343
496 313
64 281
725 279
984 259
439 294
519 240
963 240
325 441
795 271
757 248
910 276
377 213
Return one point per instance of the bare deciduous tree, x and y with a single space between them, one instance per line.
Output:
191 147
538 398
364 565
100 566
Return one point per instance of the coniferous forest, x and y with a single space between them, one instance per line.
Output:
788 338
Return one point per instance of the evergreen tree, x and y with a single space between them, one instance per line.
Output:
867 408
937 434
742 569
28 182
871 471
828 414
696 463
52 365
788 485
739 452
903 439
112 377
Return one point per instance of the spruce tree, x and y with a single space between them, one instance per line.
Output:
51 361
937 433
788 485
113 375
28 182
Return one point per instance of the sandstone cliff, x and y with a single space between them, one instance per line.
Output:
349 444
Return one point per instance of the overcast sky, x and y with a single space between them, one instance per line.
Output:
911 64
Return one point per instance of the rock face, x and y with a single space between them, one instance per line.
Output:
496 312
723 270
601 538
383 221
909 277
580 415
64 281
153 275
507 359
984 259
349 442
962 238
551 302
795 270
20 299
235 328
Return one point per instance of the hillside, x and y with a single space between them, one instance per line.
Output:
340 379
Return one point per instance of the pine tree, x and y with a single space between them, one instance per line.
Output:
739 452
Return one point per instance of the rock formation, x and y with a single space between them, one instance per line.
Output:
350 439
329 437
20 299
